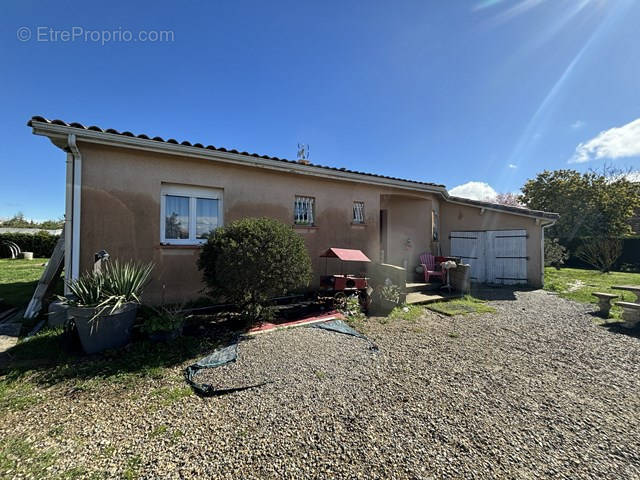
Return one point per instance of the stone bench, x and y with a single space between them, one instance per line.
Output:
604 302
630 314
629 288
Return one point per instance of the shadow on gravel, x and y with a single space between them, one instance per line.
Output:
484 292
618 327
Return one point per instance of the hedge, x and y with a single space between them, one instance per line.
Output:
628 261
40 243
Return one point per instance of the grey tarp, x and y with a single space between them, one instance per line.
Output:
341 327
228 354
220 356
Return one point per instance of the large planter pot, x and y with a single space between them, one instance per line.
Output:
382 308
105 331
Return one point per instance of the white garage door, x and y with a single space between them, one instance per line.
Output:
470 247
495 256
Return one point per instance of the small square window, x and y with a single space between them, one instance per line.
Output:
303 210
358 212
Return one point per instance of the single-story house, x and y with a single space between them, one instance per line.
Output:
151 199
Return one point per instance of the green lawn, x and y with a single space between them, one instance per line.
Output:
578 284
18 279
461 306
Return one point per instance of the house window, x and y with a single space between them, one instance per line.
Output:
303 210
189 214
358 212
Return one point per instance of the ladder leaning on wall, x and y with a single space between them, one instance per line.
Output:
47 280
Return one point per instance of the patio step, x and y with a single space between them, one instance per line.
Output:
421 287
417 298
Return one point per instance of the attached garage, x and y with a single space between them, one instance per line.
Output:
495 256
503 244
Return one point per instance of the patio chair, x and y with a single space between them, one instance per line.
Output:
428 263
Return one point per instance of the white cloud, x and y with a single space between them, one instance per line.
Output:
617 142
511 165
474 191
578 124
633 176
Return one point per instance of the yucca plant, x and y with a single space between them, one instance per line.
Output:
108 290
86 291
126 280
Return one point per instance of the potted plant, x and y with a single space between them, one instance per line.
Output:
164 324
103 304
387 298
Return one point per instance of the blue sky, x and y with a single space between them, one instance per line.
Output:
489 91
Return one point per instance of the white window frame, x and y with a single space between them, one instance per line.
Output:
310 200
193 193
354 219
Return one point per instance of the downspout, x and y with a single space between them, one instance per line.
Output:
68 221
72 224
550 224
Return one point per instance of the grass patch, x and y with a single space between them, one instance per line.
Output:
578 284
18 279
17 395
47 359
410 313
159 431
19 458
132 469
461 306
357 322
170 395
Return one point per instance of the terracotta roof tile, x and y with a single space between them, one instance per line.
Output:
506 208
219 149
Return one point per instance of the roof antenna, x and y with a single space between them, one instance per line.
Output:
303 154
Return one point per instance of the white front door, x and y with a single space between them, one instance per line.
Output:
495 256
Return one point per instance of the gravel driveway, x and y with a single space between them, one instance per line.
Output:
537 390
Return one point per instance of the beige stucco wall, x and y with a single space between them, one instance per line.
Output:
409 229
455 217
121 212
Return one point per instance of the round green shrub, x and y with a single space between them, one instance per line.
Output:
251 261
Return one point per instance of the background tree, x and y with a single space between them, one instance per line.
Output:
554 254
18 221
509 198
601 253
589 204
